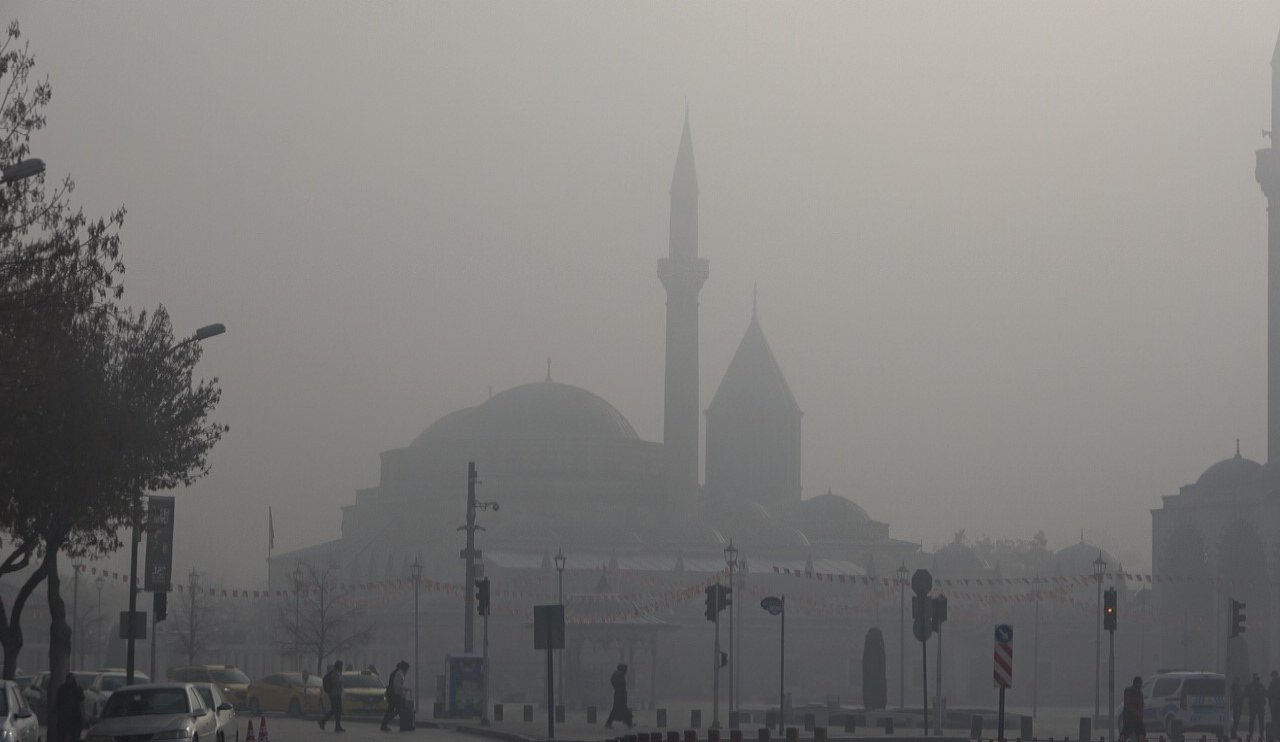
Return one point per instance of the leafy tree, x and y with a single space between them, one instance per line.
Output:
324 621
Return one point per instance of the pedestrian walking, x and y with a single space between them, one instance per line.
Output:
1237 707
332 685
1255 697
620 711
1131 725
395 695
1273 701
68 708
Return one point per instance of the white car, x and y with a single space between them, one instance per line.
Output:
99 691
169 711
222 708
1193 698
18 722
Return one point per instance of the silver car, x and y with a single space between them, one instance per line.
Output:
170 711
18 723
222 708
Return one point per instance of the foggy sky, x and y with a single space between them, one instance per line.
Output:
1011 256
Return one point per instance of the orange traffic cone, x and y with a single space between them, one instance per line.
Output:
262 730
249 735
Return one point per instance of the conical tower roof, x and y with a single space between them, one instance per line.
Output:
685 178
754 378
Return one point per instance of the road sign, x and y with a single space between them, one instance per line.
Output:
548 627
921 582
772 605
1003 673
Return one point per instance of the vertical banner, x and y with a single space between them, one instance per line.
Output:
158 575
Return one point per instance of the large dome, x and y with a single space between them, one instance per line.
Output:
1229 474
544 409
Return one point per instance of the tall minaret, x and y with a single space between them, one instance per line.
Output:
682 273
1268 173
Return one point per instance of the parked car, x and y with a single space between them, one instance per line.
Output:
103 684
363 694
37 691
171 711
17 722
292 693
213 698
1193 698
233 683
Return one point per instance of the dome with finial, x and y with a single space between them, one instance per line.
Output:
1229 474
1078 559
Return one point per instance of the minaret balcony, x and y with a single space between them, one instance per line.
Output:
679 275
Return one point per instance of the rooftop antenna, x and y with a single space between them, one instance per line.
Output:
548 368
754 295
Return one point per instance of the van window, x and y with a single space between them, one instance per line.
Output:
1165 687
1205 686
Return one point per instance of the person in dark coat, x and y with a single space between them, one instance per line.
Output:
333 689
1131 724
1237 706
619 712
395 695
68 708
1273 700
1255 696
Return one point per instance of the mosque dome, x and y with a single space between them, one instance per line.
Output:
959 558
1236 471
544 409
827 511
1077 559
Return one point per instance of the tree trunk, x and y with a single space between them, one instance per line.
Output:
59 631
11 625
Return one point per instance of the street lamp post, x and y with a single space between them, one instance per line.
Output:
204 333
902 635
560 561
75 613
731 559
21 170
192 619
297 614
471 554
1099 569
415 571
99 583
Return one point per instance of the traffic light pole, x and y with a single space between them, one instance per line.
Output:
484 710
469 554
782 668
924 665
1111 683
715 664
937 679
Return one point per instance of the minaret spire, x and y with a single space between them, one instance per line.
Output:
682 273
1268 175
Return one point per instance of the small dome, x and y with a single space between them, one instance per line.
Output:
959 558
1228 474
828 510
543 409
1077 559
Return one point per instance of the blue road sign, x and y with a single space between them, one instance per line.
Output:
1004 633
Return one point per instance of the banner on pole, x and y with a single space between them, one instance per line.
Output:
158 574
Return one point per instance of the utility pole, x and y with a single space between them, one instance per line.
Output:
731 559
75 610
902 635
471 554
191 615
1109 623
1035 658
1099 569
715 684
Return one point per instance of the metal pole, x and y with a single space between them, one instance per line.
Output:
1111 685
1035 658
715 667
902 638
416 656
484 710
1000 732
737 634
560 652
152 664
732 659
782 670
551 694
469 607
75 611
133 594
937 679
924 663
1097 656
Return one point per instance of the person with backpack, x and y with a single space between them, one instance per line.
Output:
395 696
332 685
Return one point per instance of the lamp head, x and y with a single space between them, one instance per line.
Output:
208 331
560 560
415 570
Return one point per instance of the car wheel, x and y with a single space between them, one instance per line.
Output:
295 708
254 707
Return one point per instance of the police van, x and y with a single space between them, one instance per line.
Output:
1194 698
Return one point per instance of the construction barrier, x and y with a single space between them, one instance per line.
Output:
249 737
1025 728
662 718
262 730
695 719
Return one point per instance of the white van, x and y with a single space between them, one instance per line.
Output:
1193 698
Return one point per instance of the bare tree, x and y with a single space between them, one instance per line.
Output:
322 620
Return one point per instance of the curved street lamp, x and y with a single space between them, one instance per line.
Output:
731 559
22 170
1099 569
902 634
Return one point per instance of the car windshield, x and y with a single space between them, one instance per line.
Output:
1205 686
230 676
113 682
360 680
146 702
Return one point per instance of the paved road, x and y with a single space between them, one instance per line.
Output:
285 729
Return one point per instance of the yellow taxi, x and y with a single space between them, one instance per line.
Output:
363 693
233 683
292 693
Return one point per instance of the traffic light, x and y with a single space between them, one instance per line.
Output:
938 612
160 606
1109 609
726 595
482 596
711 611
724 658
1237 618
